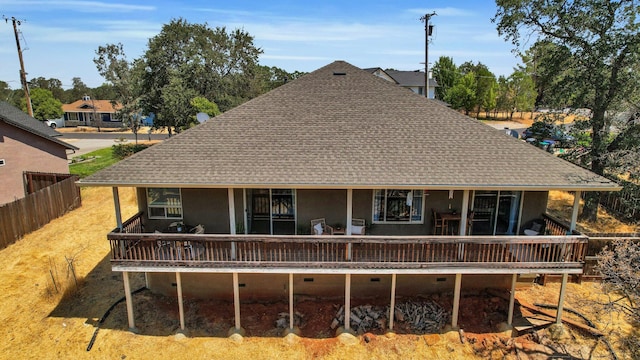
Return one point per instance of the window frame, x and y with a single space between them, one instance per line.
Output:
384 203
164 206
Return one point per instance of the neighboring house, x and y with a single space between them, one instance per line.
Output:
27 145
88 112
340 144
412 80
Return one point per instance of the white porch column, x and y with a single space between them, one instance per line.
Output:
462 230
349 211
574 213
232 220
180 303
291 324
563 289
349 218
347 302
129 300
456 301
512 298
392 306
236 301
116 203
245 211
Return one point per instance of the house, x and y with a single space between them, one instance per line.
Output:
27 145
412 80
89 112
446 200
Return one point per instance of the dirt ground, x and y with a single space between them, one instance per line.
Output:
58 283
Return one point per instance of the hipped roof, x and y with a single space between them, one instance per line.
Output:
341 127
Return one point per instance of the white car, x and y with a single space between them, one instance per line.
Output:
54 123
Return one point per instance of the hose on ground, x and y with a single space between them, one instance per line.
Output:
104 317
589 322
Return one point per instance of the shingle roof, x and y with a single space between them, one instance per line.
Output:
16 117
103 106
341 127
410 78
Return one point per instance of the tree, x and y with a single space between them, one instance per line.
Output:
53 84
619 265
446 73
121 75
45 106
463 94
5 91
600 40
485 82
203 105
78 90
177 111
213 63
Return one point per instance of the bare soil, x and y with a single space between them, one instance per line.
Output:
57 284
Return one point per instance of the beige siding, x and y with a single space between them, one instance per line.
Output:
23 151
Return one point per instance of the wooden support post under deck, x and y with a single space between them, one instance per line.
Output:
392 306
456 301
574 212
512 298
180 303
236 300
232 220
347 302
116 204
291 324
563 289
129 300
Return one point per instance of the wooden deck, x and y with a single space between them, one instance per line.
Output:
132 250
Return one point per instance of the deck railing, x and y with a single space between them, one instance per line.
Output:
131 247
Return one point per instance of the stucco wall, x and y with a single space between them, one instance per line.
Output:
260 287
23 151
534 205
328 204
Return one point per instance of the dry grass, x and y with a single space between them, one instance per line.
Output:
40 322
560 205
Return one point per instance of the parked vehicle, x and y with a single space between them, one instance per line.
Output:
540 131
54 123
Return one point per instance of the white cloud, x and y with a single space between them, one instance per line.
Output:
78 5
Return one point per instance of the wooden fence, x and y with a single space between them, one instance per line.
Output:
36 210
36 181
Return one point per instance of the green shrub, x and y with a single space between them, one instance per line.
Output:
122 151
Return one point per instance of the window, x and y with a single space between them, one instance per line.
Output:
282 204
398 206
164 203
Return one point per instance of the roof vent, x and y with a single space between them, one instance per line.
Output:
86 98
339 73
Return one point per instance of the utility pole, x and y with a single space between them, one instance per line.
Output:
23 74
428 29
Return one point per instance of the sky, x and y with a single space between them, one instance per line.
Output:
59 38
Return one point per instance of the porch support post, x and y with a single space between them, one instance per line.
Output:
291 323
349 211
129 300
232 220
512 298
392 306
180 304
464 213
349 218
563 289
245 211
236 301
456 301
574 213
347 302
116 203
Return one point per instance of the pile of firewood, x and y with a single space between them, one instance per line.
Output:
424 317
283 320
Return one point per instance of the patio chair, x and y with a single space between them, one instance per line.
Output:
320 227
437 223
358 227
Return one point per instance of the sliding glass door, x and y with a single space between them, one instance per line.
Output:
271 211
496 212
